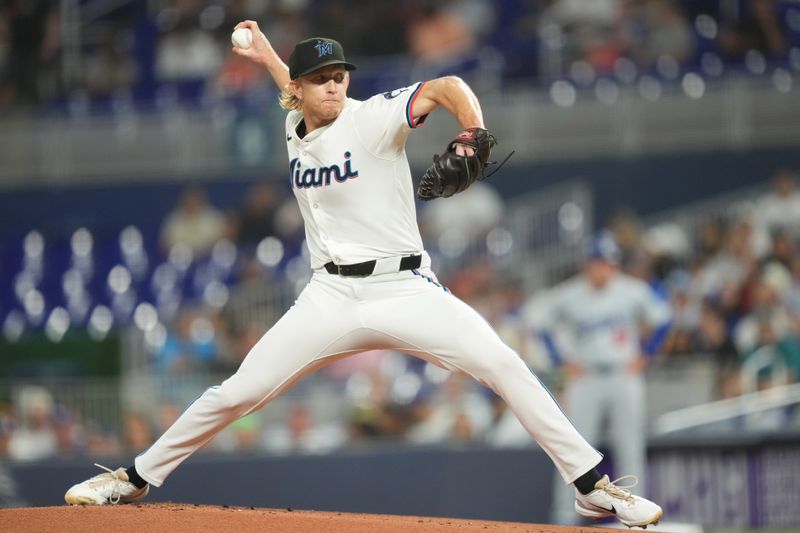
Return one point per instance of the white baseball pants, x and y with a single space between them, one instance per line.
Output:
338 316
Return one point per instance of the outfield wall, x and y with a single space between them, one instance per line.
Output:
501 485
744 483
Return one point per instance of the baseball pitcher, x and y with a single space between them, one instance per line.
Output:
372 284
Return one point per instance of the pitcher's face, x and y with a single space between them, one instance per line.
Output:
323 93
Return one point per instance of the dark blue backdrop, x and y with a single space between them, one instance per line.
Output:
648 184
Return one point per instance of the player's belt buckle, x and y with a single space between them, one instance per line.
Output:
359 269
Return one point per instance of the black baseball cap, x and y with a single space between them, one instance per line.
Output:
317 52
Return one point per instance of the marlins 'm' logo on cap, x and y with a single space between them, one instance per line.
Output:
324 48
317 52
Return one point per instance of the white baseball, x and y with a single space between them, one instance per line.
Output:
242 37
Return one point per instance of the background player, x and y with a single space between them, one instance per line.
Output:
372 285
591 324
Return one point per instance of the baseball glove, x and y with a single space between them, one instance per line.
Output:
451 173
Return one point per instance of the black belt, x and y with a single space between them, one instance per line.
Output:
367 267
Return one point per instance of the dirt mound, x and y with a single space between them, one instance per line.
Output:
186 518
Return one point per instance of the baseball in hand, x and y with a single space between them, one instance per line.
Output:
242 37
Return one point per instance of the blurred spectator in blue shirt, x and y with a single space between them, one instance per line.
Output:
191 345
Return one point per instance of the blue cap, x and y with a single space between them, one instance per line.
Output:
604 247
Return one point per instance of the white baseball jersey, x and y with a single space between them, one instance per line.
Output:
599 326
362 207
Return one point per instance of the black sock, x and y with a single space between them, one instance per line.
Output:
135 478
585 483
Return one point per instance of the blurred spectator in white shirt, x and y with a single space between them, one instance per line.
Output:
769 321
575 11
723 276
780 209
466 216
194 223
302 433
665 32
35 436
458 413
188 53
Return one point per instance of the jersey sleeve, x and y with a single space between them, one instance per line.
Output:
384 121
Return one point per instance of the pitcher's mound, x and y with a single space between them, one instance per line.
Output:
189 518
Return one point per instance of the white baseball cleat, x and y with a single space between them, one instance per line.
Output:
111 487
607 499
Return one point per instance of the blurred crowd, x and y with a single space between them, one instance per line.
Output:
180 49
203 291
733 279
731 273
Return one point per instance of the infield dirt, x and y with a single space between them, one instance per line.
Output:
188 518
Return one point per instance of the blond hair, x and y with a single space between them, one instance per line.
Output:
289 101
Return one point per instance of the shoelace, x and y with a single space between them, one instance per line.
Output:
115 494
621 492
